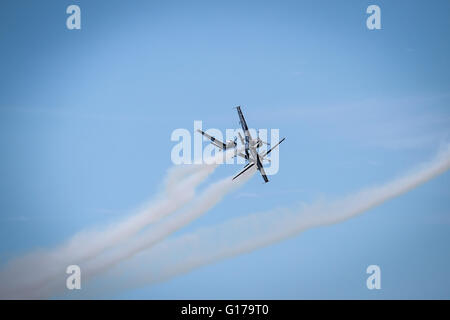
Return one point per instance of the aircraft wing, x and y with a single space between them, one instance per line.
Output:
242 120
246 132
213 140
258 165
261 169
248 166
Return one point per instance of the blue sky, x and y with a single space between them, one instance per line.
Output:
86 117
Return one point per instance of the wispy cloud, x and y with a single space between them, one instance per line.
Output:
17 219
393 123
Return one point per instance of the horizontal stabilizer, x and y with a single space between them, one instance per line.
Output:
270 150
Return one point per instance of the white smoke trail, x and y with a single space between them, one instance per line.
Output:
24 276
29 273
238 236
203 203
207 200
